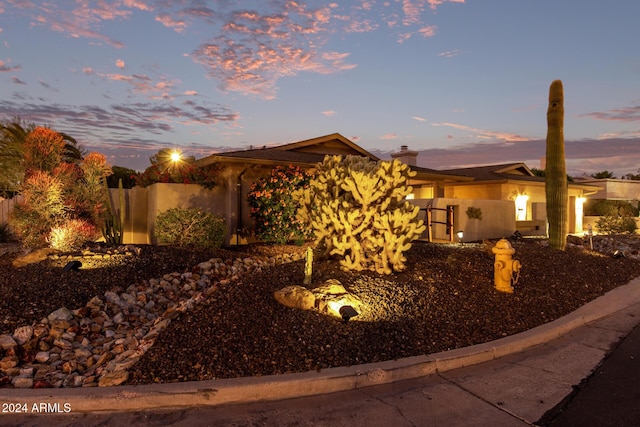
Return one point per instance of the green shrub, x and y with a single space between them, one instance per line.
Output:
610 208
358 212
191 226
273 207
474 213
616 225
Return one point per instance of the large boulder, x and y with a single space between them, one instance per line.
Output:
295 297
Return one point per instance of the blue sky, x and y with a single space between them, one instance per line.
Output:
465 82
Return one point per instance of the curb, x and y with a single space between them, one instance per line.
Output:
286 386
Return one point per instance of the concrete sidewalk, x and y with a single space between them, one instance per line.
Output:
511 381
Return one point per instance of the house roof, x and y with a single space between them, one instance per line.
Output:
511 172
311 152
308 152
500 172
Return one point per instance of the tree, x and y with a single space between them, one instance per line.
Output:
13 136
633 177
556 187
605 174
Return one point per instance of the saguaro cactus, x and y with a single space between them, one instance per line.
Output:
556 171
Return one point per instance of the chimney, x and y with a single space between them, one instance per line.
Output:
406 156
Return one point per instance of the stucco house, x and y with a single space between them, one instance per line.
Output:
509 196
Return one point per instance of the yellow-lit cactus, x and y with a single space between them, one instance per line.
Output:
358 212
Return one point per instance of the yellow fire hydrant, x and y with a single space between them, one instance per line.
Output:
505 267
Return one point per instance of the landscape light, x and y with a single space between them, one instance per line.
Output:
347 312
460 235
72 266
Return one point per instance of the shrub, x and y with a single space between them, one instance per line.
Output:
273 207
71 235
474 213
616 224
42 208
191 226
358 211
610 208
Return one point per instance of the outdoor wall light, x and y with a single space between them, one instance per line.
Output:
347 312
460 235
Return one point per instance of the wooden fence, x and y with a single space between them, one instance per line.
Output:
6 205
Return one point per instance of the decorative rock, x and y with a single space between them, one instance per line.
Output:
22 382
7 341
295 297
8 362
42 357
23 334
74 349
113 378
60 314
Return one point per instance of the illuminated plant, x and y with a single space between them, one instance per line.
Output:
358 212
71 234
555 173
56 191
273 207
190 227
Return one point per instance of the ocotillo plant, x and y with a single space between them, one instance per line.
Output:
556 171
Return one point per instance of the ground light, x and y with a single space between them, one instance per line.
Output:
347 312
460 235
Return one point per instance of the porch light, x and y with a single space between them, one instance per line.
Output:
521 207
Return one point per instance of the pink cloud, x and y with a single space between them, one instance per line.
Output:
5 68
329 113
178 25
486 134
626 114
420 119
120 63
389 136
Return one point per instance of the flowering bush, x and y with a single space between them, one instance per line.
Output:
61 200
273 208
190 227
72 234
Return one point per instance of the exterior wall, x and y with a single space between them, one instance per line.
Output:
616 189
498 218
473 191
162 197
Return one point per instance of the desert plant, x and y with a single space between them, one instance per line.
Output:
190 226
358 212
610 224
113 227
556 188
610 208
273 207
474 213
71 235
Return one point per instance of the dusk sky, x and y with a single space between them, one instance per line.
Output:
465 82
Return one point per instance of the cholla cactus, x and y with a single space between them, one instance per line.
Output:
358 211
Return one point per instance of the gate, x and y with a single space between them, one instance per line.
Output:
448 222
